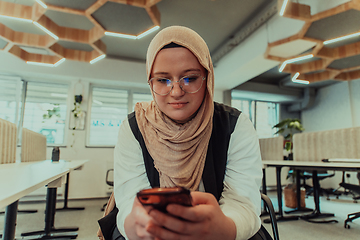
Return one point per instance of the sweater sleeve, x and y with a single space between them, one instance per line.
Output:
241 200
129 173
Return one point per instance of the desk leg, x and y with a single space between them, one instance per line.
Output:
317 213
281 217
298 196
10 221
48 232
66 197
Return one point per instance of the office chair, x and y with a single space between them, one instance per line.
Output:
272 214
109 182
354 190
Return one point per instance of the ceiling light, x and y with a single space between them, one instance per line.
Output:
120 35
41 3
148 32
59 95
97 59
97 102
283 7
292 60
295 80
40 64
341 38
59 62
129 36
47 64
46 30
301 81
16 18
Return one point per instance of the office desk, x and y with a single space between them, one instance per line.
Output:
20 179
309 166
49 231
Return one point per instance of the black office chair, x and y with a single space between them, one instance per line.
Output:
304 175
272 214
354 190
110 182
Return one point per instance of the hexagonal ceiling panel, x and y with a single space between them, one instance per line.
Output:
75 46
122 18
320 29
69 20
345 63
19 26
336 53
73 4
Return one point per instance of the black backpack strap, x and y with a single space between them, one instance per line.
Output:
151 171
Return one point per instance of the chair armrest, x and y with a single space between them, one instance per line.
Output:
110 183
272 214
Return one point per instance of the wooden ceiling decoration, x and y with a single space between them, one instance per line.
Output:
16 41
319 56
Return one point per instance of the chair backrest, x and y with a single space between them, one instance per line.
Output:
272 148
33 146
8 135
315 146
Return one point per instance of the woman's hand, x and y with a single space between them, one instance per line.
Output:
137 222
204 220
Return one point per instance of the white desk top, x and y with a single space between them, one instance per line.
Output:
20 179
349 166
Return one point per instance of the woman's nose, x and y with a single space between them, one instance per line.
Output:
176 90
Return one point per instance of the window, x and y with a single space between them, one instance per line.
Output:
10 94
141 97
45 110
109 107
245 106
267 115
264 115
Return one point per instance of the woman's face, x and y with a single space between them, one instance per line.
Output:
173 64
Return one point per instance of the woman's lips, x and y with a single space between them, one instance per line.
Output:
178 104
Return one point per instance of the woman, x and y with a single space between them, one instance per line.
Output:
183 138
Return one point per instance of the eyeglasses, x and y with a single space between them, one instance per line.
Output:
189 84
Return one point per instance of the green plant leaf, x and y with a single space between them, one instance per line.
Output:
288 146
280 131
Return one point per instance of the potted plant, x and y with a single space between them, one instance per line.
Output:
289 126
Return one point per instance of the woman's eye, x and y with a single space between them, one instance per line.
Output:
164 81
190 79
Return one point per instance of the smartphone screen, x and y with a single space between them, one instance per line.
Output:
159 198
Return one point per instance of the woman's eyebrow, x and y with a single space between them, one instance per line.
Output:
192 70
160 73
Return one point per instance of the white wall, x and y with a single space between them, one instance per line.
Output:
336 106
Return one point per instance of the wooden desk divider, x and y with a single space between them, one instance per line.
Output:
272 148
315 146
8 133
33 146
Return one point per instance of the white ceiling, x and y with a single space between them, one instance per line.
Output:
217 21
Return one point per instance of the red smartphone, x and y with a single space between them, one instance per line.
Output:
159 198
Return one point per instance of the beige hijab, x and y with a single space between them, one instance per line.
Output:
179 150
